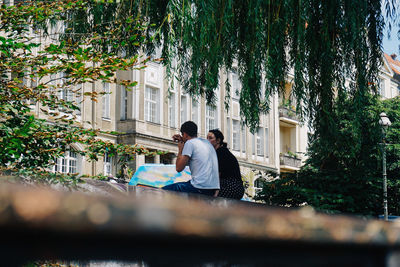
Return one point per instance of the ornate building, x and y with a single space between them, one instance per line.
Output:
149 115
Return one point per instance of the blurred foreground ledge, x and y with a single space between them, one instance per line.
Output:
164 228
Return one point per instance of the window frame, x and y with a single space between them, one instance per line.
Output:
171 110
106 114
107 160
69 163
211 115
152 106
260 142
195 114
236 135
124 104
235 85
184 109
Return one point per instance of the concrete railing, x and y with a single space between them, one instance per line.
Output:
288 113
289 161
163 228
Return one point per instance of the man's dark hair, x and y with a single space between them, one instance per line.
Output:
190 128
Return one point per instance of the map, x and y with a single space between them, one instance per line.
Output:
159 175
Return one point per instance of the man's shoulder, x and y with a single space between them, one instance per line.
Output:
202 140
197 140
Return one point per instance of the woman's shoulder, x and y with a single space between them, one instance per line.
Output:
224 151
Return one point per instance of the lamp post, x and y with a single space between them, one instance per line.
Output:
385 123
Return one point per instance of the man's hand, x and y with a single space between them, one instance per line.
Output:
181 144
177 138
181 161
216 193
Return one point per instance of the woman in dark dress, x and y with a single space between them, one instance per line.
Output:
230 180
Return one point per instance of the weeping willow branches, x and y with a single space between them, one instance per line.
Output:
322 43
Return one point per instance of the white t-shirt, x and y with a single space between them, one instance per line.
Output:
203 163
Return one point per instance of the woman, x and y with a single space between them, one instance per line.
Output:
231 184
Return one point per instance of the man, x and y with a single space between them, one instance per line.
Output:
201 157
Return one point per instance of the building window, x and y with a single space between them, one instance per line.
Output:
266 141
124 103
72 168
166 158
107 164
106 100
235 135
171 110
260 142
53 83
195 112
236 86
25 80
393 91
152 105
381 87
243 131
184 110
55 29
253 143
68 163
228 132
258 184
211 122
65 92
34 84
79 98
149 159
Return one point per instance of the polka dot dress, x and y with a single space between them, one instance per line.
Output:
231 188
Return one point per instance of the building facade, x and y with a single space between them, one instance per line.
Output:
150 113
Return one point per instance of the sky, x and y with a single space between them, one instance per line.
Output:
391 45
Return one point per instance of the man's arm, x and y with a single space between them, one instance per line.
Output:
181 160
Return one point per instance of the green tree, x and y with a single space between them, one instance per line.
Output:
345 175
392 108
28 66
325 42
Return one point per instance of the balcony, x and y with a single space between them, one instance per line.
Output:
291 162
288 113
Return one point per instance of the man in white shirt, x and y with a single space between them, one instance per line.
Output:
201 157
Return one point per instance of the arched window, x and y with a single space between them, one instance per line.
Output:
69 163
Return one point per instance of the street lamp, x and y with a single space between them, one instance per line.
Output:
385 123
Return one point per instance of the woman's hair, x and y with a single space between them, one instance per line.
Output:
219 135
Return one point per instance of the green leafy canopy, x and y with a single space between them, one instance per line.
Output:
32 59
344 174
320 42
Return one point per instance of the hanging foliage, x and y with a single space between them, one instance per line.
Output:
322 42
